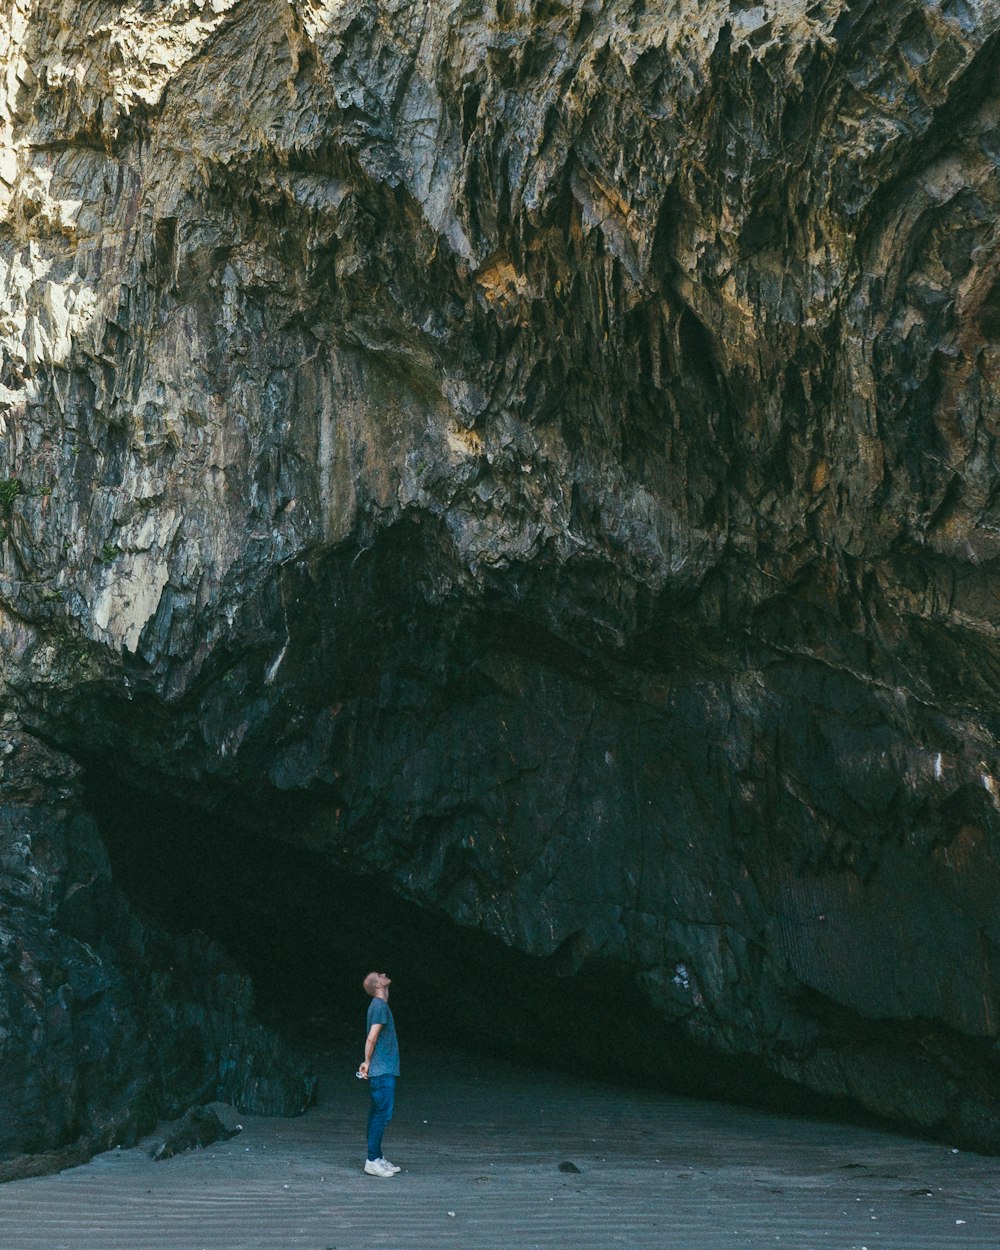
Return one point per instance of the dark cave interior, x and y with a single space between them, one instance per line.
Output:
307 934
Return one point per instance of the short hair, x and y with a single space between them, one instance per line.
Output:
369 983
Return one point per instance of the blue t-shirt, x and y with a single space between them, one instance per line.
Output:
385 1060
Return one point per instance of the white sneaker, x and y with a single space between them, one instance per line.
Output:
378 1167
391 1166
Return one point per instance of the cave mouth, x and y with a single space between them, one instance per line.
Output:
307 932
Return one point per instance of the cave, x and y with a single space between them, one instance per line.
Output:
510 498
307 933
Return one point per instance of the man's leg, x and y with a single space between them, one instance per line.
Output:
383 1098
391 1087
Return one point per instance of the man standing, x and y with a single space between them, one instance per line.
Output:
380 1068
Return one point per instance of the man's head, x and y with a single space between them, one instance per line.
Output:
376 984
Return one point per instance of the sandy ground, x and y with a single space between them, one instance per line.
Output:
481 1145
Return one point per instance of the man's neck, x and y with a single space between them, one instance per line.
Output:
383 994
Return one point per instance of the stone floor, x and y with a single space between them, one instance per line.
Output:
485 1149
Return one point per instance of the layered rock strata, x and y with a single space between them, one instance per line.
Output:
544 454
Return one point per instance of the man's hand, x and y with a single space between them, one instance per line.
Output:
363 1070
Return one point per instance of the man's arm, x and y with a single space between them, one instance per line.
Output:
370 1041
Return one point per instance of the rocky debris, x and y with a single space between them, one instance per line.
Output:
198 1127
543 454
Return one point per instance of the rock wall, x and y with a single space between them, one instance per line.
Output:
546 454
105 1024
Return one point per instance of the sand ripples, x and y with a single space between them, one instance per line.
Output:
481 1146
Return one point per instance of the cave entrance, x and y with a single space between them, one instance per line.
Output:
307 933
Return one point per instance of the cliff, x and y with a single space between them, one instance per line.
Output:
544 455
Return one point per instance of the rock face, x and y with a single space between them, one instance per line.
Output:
545 454
106 1025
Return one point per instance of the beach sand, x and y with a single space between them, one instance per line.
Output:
481 1143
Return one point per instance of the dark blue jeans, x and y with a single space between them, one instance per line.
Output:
383 1092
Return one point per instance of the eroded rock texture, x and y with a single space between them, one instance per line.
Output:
544 454
105 1025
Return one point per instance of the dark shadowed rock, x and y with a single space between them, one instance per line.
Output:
106 1025
198 1127
543 456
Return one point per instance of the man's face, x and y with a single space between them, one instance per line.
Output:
383 981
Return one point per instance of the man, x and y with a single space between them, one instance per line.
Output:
380 1068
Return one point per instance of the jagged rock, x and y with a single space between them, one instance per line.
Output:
198 1127
544 454
106 1025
